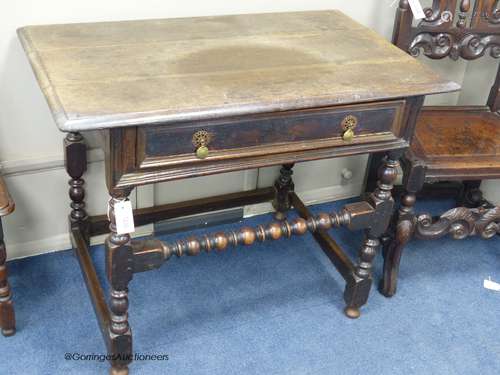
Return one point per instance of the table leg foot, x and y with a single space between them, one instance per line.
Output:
352 312
358 286
118 370
385 290
8 332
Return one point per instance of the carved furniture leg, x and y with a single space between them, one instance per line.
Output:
119 269
7 317
358 286
75 157
283 186
403 225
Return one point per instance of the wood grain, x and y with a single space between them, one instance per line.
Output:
124 144
102 75
269 134
458 142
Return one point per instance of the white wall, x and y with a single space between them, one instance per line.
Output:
31 147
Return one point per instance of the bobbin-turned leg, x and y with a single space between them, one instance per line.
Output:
119 269
358 286
7 317
283 186
75 157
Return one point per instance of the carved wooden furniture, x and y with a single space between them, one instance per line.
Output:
181 98
7 318
450 143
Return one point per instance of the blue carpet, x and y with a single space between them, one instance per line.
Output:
269 309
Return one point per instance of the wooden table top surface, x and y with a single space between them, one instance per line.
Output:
113 74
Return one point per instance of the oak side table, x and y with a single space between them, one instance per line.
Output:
180 98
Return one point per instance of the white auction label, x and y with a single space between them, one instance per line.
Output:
490 284
124 217
416 8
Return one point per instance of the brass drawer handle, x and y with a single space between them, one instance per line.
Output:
200 140
348 124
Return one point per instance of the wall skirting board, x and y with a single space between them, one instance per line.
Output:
45 163
58 242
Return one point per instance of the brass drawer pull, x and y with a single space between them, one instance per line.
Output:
348 124
200 140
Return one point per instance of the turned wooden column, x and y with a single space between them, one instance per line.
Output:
119 269
358 287
7 317
75 152
283 186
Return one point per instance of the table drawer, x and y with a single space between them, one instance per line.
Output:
266 134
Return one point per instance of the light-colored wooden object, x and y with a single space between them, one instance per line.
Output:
115 74
6 202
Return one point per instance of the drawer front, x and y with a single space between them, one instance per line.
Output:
267 134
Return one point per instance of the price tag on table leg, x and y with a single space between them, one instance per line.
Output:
416 8
124 217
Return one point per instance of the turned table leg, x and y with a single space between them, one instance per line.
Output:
283 186
358 286
75 157
7 317
119 269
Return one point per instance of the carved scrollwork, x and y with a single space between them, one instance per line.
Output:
488 223
441 12
469 47
474 46
460 223
435 46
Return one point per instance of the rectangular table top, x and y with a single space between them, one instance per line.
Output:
113 74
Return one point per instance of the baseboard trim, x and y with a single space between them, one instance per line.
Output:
315 196
42 164
198 221
57 243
